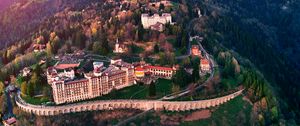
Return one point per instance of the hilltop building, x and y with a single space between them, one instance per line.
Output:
166 3
67 88
156 21
205 65
157 27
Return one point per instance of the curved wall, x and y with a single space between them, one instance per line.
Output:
123 104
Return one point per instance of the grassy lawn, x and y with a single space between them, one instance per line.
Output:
163 87
235 112
35 100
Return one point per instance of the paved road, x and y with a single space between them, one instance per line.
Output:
186 91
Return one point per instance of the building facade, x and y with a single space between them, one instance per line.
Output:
149 21
204 65
96 83
195 50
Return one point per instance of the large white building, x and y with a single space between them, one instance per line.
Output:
149 21
101 81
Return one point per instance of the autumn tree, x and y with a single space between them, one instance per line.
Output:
40 40
55 43
1 87
195 74
49 50
24 88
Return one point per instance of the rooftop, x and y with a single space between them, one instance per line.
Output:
159 68
204 62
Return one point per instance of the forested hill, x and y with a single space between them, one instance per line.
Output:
5 4
24 16
266 32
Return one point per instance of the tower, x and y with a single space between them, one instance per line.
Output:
117 45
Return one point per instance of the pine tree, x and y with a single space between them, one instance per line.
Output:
30 89
156 48
195 73
152 89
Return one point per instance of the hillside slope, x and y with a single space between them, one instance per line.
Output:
266 33
24 17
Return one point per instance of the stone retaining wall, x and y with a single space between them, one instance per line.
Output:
124 104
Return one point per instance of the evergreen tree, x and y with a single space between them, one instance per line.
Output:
80 39
30 89
152 89
1 87
156 48
4 104
161 6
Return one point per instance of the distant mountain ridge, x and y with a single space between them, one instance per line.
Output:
5 4
25 16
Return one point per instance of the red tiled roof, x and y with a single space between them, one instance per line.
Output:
65 66
159 68
204 62
195 47
139 69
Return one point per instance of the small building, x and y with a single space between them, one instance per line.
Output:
148 21
157 27
161 72
39 47
9 121
139 72
119 48
205 65
195 50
